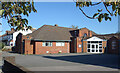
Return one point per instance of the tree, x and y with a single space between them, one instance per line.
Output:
1 45
13 12
100 15
74 27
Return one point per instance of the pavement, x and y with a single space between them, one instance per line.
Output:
67 62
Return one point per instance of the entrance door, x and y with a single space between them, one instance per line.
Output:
94 47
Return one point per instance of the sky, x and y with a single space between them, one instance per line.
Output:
66 14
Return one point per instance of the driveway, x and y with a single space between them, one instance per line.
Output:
68 62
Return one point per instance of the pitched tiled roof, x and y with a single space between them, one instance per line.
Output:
48 32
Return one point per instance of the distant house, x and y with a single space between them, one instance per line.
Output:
9 37
54 39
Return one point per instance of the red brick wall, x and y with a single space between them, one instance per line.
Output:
83 31
39 49
104 46
28 46
84 46
79 39
78 42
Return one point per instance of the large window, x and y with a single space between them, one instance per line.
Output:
47 44
94 46
60 43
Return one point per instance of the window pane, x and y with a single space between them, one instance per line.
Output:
88 50
47 44
96 50
96 46
100 50
93 46
60 43
50 43
63 44
93 50
88 41
43 43
88 45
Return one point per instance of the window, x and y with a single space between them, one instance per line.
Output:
93 50
96 50
100 50
11 44
60 43
88 45
47 44
88 50
88 41
75 33
85 34
93 46
96 46
113 44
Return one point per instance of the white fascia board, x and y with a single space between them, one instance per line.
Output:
94 38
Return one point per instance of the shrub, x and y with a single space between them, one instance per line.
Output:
1 45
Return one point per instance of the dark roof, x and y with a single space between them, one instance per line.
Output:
105 36
108 36
52 33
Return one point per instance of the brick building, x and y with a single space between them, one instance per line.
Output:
54 39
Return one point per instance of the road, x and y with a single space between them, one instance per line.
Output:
68 62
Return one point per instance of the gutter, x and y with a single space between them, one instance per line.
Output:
51 40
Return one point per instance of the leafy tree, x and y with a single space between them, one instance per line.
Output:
13 12
75 27
100 15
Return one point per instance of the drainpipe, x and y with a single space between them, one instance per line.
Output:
82 45
68 47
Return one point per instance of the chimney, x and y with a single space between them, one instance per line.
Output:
56 25
12 29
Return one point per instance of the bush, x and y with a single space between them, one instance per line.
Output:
1 45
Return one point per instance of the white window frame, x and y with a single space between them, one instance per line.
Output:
44 44
60 43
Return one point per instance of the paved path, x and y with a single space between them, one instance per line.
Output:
68 62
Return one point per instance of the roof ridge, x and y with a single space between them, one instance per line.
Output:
59 26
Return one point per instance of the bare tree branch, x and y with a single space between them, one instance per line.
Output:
107 9
95 4
87 15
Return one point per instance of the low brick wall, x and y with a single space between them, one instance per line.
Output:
11 67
